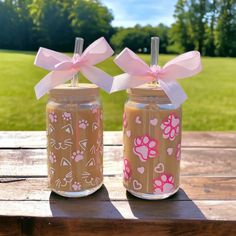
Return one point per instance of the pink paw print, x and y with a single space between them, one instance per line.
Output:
52 117
66 116
145 147
164 184
126 170
52 158
76 186
170 127
78 156
94 109
178 152
83 124
124 120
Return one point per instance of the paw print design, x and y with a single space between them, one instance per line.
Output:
178 152
94 109
78 156
124 120
66 116
164 184
170 127
83 124
76 186
52 117
126 170
52 157
145 147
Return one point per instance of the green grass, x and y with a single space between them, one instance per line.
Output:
211 104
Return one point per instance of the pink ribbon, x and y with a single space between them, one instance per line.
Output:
63 68
138 73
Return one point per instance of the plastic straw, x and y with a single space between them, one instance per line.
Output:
154 50
79 42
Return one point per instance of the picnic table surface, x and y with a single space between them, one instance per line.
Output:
204 205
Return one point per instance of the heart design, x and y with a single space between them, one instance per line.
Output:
159 168
140 169
137 120
175 121
137 185
128 133
154 121
169 151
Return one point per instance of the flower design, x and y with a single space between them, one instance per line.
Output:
178 152
170 127
163 184
66 116
78 156
52 157
52 117
145 147
124 120
127 170
76 186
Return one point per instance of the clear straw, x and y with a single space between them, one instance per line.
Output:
79 43
155 41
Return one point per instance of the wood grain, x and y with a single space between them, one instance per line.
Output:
195 161
37 139
194 188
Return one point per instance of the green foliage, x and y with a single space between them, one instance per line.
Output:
211 103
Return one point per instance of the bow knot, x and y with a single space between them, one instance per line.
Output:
155 71
63 68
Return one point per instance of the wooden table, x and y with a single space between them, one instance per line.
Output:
205 204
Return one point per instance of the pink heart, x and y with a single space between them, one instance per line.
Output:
128 133
137 120
154 122
140 169
159 168
137 185
169 151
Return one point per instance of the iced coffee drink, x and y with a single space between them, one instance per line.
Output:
75 140
152 143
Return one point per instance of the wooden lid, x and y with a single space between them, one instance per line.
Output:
147 90
82 90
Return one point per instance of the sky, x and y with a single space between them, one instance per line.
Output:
131 12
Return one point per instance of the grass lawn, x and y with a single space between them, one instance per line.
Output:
211 104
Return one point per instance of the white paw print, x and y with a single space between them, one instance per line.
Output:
53 117
83 124
52 157
78 156
76 186
66 116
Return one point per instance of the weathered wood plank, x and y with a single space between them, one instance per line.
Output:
37 139
83 209
195 161
194 188
34 226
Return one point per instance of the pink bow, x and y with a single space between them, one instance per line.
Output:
138 73
63 67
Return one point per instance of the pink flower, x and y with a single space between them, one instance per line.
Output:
178 152
145 147
170 127
126 170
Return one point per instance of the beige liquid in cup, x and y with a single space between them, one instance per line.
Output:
152 145
75 141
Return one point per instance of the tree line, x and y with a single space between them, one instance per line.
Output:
205 25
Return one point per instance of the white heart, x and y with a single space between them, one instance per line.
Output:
159 168
169 151
137 185
137 120
128 133
154 121
140 169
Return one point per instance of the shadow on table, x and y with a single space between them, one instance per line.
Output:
178 206
97 205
